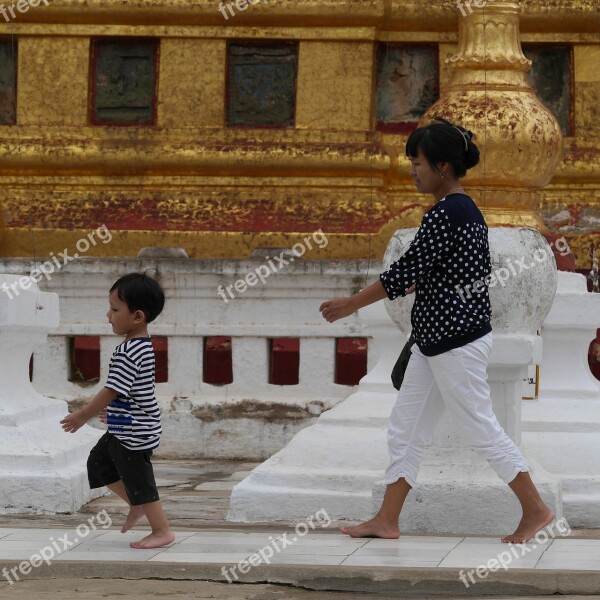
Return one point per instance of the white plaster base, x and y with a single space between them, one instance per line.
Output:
42 468
564 437
334 463
573 459
331 465
465 497
561 430
45 473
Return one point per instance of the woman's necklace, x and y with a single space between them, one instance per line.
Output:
456 189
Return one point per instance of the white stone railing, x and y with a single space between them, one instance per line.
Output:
252 418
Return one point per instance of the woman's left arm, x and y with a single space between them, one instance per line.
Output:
433 238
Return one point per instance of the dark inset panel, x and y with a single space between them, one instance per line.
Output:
8 82
124 77
551 75
218 363
407 85
350 360
261 84
84 354
161 354
285 361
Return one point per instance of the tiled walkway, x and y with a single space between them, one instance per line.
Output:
228 548
195 495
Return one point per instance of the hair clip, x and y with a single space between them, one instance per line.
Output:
466 135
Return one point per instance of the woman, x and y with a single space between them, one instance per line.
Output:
452 332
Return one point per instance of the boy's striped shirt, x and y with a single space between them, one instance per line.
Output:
134 416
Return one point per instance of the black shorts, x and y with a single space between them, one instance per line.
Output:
110 462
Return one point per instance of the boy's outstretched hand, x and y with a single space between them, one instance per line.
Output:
337 308
71 423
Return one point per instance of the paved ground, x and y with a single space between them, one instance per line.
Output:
167 590
106 589
99 564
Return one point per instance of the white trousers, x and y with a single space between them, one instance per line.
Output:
456 380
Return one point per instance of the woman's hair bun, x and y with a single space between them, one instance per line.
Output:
472 158
444 141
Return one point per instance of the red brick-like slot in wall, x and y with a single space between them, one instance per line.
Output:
594 356
350 360
84 353
218 364
161 354
284 361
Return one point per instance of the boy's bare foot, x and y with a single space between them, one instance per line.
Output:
135 514
154 540
529 526
376 527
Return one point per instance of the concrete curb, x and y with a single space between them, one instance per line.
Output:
400 581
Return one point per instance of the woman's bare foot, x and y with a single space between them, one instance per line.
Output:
376 527
154 540
135 514
530 524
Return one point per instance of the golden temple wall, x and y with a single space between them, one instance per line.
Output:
218 191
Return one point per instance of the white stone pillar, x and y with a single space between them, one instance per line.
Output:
42 468
250 358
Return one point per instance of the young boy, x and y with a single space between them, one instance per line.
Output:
121 458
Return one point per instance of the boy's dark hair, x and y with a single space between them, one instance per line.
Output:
140 292
444 142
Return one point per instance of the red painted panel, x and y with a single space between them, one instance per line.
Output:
218 364
565 260
285 361
161 353
85 358
350 360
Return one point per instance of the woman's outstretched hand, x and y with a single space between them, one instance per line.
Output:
411 289
337 308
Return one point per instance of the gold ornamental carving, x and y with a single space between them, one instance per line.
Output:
519 138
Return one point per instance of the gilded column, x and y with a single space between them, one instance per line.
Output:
519 138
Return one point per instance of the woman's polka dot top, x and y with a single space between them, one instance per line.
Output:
449 260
